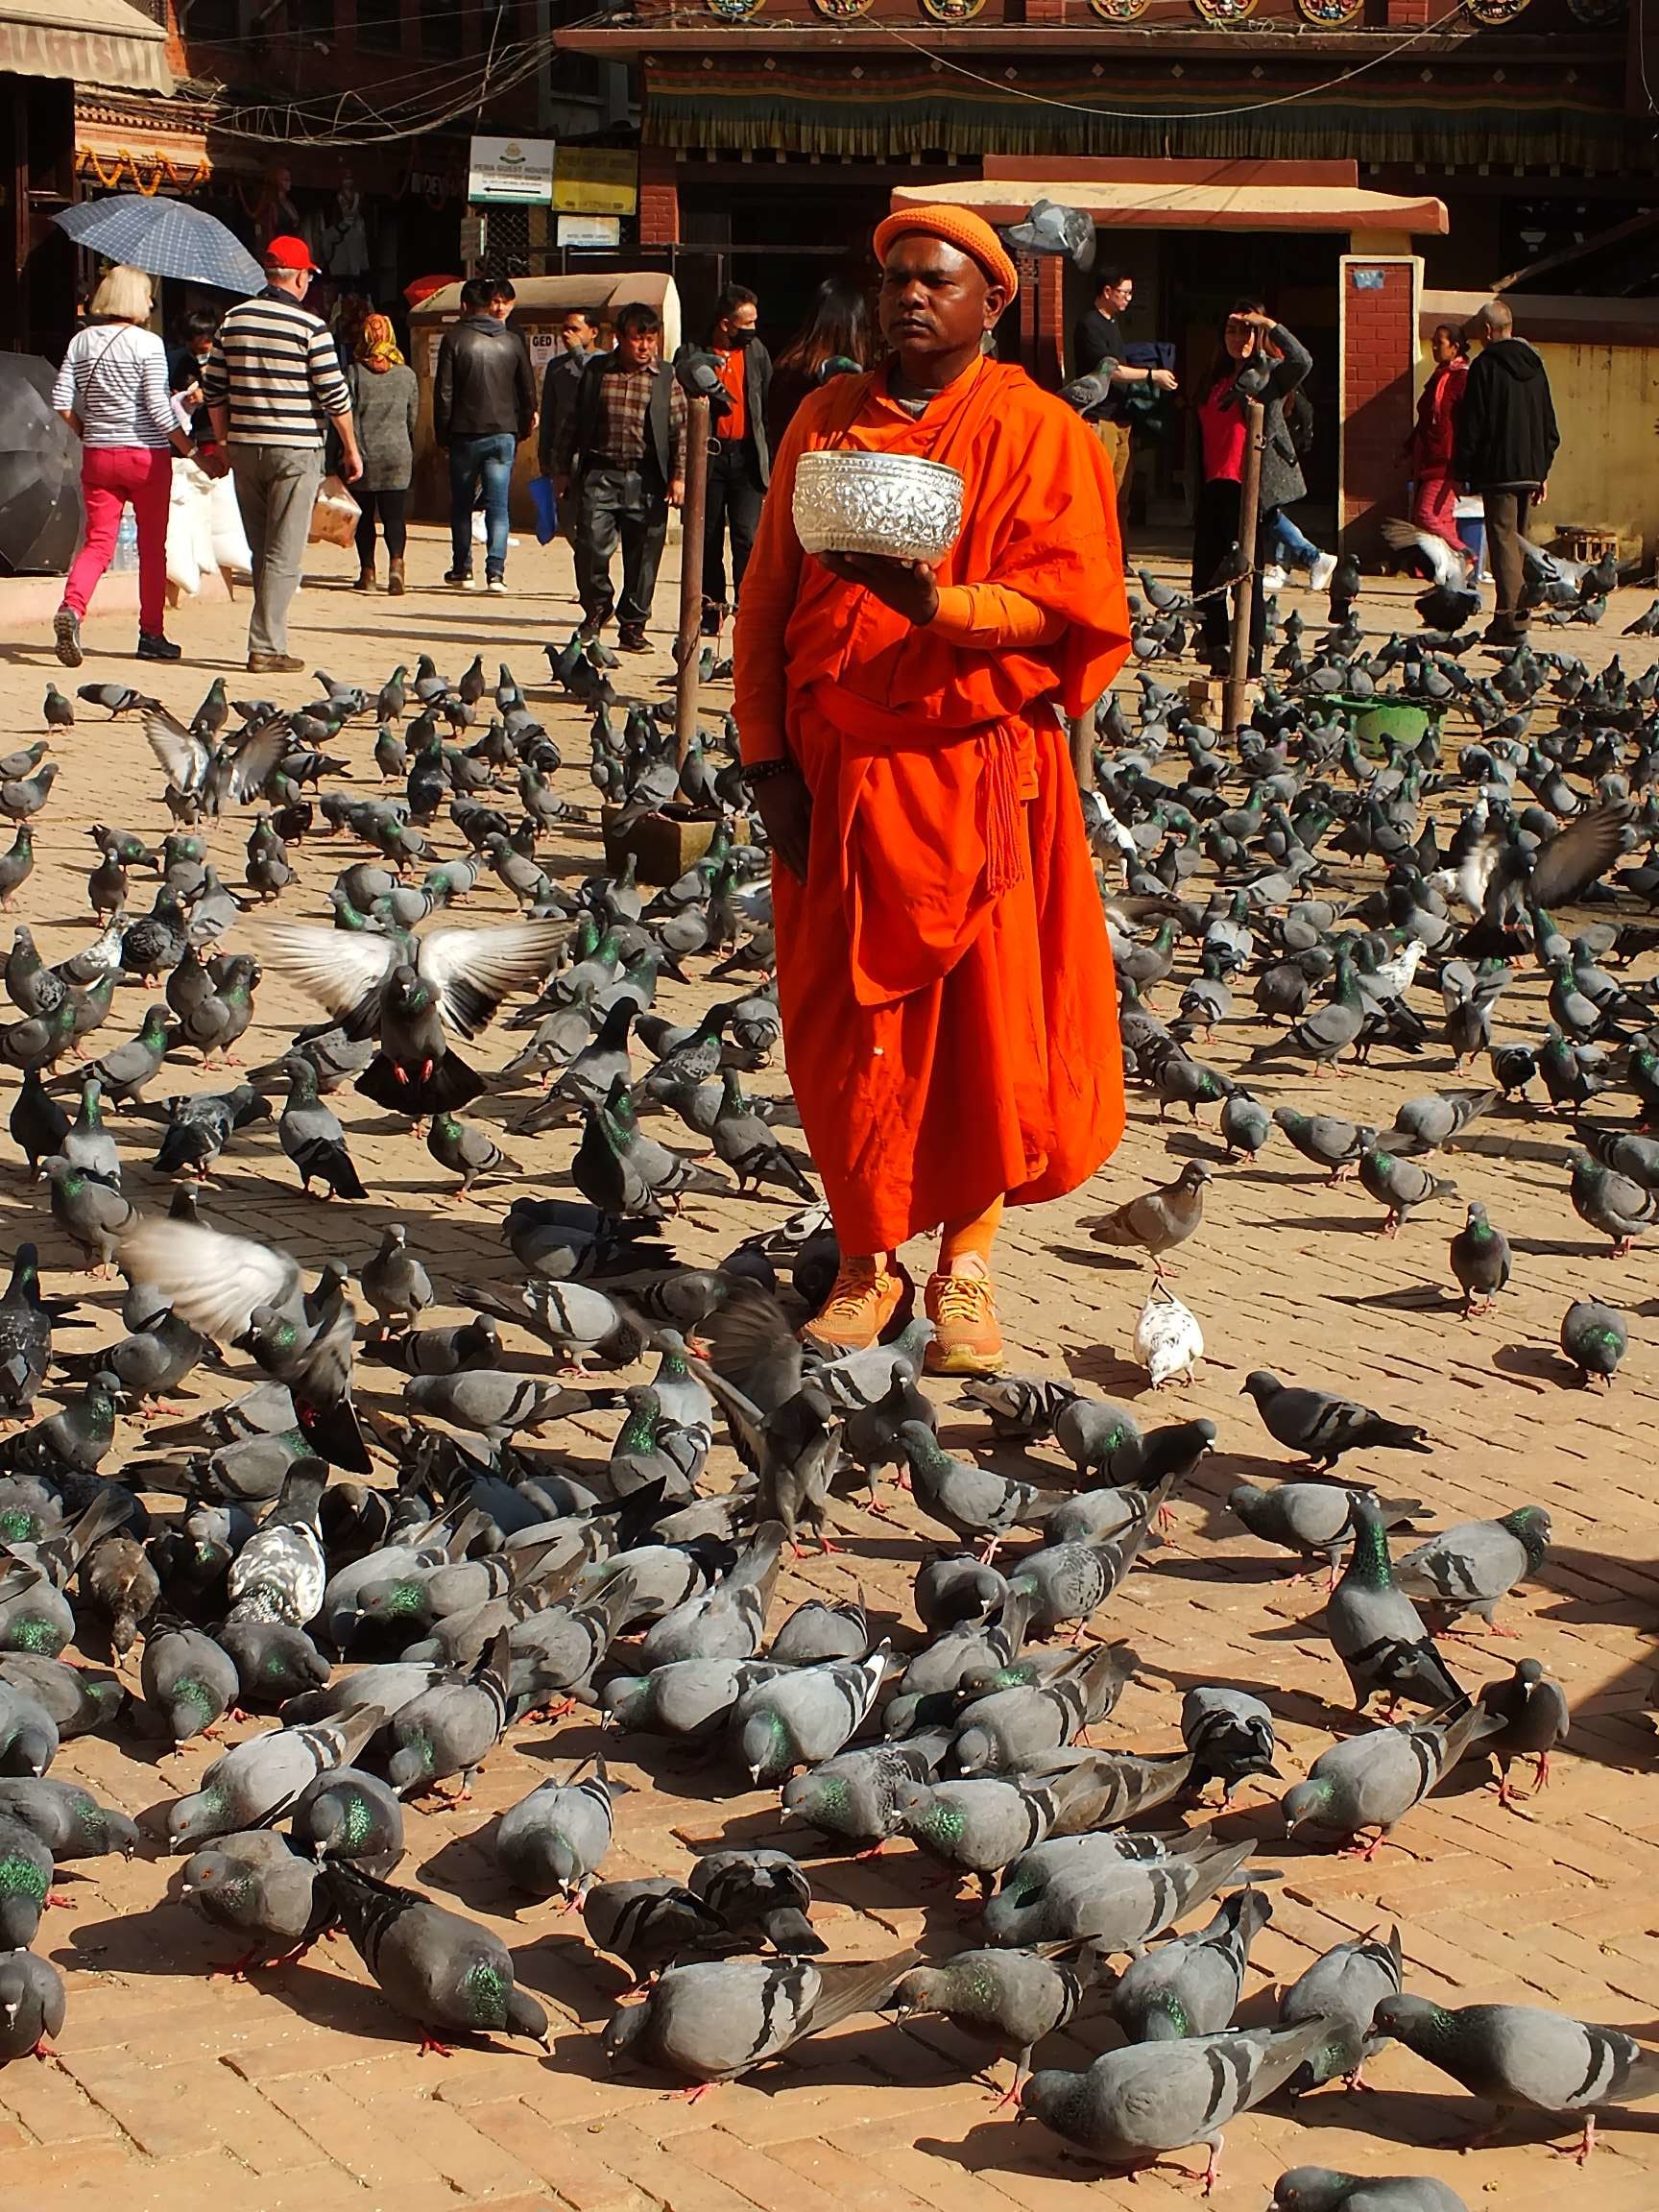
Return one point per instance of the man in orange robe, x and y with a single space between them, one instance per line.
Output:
949 1013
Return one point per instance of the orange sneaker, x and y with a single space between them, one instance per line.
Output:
962 1306
866 1301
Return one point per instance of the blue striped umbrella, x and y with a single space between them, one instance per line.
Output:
165 237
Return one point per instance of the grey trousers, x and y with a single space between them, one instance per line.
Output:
1507 507
277 491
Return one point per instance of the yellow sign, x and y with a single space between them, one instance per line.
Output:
595 181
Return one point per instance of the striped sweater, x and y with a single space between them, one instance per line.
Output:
274 366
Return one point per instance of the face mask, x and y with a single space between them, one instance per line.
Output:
739 339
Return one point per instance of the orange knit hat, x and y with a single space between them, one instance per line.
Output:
958 226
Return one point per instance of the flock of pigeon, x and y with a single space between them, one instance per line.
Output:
399 1550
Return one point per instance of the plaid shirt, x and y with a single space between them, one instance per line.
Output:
624 410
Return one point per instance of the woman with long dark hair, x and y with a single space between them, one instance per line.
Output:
1256 359
1435 489
836 336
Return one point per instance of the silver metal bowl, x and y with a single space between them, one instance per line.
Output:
890 503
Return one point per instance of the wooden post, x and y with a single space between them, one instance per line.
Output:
689 646
1245 595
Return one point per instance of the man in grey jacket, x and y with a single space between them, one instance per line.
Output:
483 406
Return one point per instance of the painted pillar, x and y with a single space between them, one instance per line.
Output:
1378 325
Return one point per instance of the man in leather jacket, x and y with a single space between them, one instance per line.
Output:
482 405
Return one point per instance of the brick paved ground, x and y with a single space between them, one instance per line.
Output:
174 2090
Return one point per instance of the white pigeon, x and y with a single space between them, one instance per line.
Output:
1446 567
1168 1342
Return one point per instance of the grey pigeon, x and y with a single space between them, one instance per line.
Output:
1608 1202
1230 1735
1323 1426
393 1282
759 1890
347 1814
1399 1184
1373 1780
1425 1124
1322 2189
1008 1728
1191 1984
1131 2105
1480 1261
1009 1999
68 1819
258 1888
1114 1891
1343 1989
261 1779
1160 1220
1334 1145
552 1842
716 2019
447 1974
188 1679
1311 1519
25 1882
1468 1569
1521 2058
450 1728
974 1502
1595 1338
1535 1719
854 1797
1102 1440
32 2007
649 1923
802 1714
1374 1628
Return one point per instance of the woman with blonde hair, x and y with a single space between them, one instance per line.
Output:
113 392
384 401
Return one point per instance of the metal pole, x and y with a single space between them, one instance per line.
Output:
688 647
1245 595
1081 731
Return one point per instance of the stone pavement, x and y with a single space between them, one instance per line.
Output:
180 2092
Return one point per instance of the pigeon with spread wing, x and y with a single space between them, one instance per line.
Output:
202 776
403 990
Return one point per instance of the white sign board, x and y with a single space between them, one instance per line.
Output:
515 172
589 230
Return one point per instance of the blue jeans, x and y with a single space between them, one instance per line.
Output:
1290 546
485 458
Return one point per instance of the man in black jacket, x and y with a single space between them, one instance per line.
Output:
1097 347
483 404
621 453
740 462
1506 440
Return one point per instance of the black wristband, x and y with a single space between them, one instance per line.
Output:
758 771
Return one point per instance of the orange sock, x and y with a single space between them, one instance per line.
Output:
975 1234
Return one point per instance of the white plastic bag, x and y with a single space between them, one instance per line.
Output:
231 548
183 566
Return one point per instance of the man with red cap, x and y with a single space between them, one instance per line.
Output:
949 1014
273 387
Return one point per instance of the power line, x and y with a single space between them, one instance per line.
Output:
1004 87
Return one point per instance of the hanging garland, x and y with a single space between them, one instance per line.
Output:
181 176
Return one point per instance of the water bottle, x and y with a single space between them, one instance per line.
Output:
126 543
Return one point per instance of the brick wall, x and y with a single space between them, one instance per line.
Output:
658 198
1378 379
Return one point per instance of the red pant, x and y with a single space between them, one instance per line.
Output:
111 475
1433 508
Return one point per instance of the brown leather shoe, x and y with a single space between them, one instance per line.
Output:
395 578
365 579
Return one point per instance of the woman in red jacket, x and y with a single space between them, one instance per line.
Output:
1434 500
